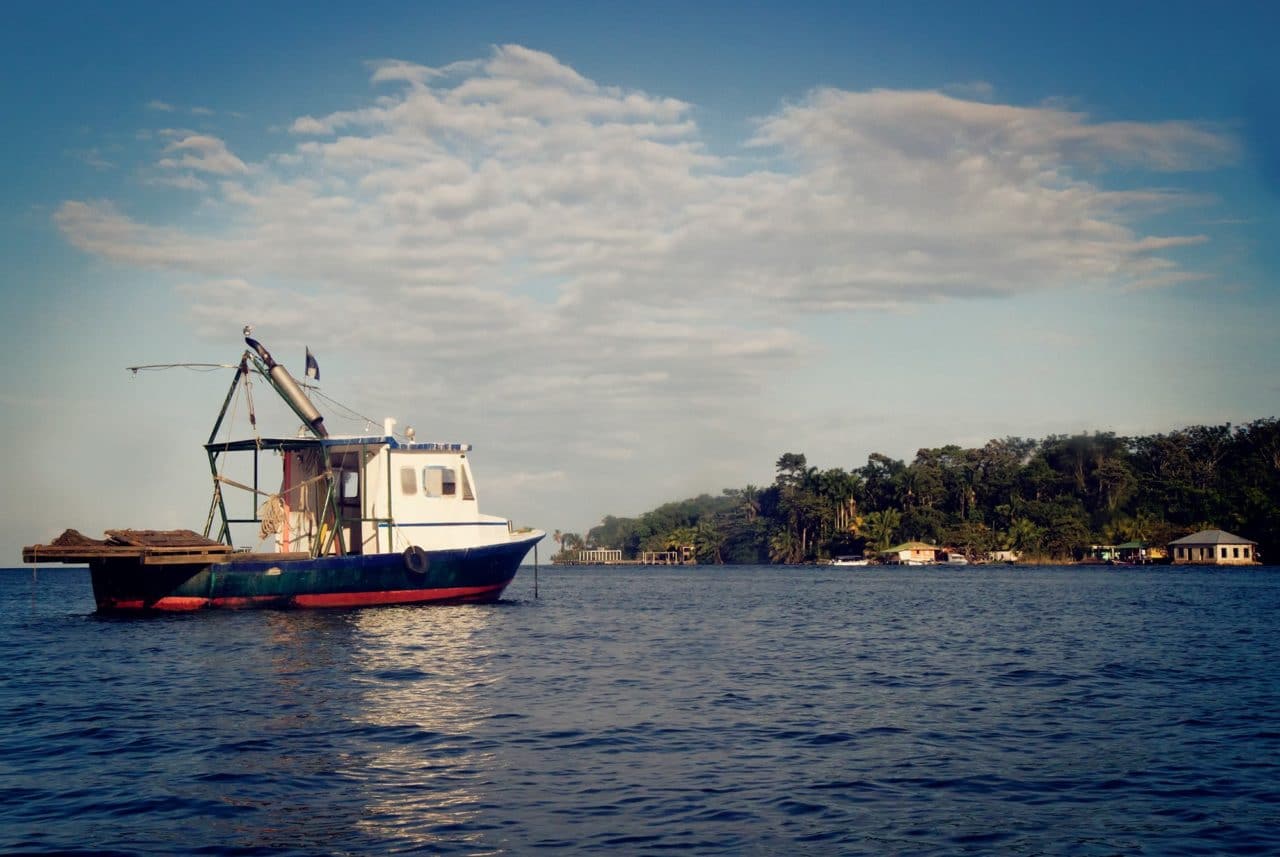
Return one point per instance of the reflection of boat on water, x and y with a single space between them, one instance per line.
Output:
850 561
374 519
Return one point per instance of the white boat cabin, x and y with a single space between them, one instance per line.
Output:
387 495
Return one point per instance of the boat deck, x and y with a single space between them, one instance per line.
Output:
148 547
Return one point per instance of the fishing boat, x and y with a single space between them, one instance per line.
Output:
850 561
356 520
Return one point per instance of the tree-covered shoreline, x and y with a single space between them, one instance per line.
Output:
1045 499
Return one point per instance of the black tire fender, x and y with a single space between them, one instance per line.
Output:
416 560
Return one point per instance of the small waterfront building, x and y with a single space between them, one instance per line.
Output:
683 556
1140 553
1134 552
1101 553
1213 547
911 553
599 556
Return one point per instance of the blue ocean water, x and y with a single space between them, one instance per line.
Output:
706 711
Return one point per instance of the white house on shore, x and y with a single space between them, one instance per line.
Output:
1213 547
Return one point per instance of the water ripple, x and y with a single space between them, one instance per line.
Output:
709 711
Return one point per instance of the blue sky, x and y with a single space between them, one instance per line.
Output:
633 252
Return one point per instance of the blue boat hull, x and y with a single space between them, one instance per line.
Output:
478 574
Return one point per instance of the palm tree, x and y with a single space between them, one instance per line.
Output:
681 537
1023 536
750 502
708 541
782 546
881 526
839 490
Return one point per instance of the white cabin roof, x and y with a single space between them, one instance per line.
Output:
296 443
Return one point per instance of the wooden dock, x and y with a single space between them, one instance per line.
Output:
614 557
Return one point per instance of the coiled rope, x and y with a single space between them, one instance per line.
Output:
272 515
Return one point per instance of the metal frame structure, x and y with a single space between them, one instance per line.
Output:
330 508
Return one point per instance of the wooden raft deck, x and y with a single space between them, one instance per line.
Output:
148 547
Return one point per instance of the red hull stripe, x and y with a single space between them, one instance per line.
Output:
327 599
397 596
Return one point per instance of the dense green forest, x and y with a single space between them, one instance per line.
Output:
1049 499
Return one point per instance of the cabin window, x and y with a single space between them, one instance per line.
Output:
1235 553
467 493
349 486
408 480
438 481
1224 553
1246 553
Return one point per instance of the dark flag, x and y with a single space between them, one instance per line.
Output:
313 368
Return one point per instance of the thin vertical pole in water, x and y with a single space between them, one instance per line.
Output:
535 571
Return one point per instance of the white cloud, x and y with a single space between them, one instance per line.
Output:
519 247
937 128
203 153
978 90
157 104
308 125
99 228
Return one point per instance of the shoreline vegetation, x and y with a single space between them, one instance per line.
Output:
1047 501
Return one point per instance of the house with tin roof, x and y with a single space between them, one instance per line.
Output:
1213 547
911 553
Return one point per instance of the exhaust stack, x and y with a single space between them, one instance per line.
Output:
290 390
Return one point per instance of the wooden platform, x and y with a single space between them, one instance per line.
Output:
148 547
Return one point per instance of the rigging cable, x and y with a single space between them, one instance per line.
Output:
349 414
346 412
195 367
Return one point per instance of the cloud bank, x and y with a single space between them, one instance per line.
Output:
571 254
